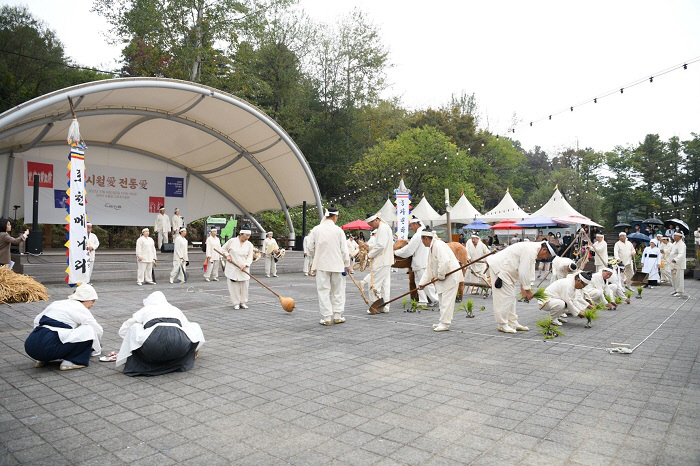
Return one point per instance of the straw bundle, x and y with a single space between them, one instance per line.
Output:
18 288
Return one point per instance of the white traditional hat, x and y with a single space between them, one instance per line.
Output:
549 247
330 211
415 219
600 234
606 269
88 224
182 229
374 217
653 240
245 232
145 229
213 229
474 235
84 292
269 233
584 277
427 232
622 233
679 233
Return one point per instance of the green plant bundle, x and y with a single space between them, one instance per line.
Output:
548 329
470 306
628 294
540 295
618 300
591 314
640 289
600 306
404 302
609 299
414 306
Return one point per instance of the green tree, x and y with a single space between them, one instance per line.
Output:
691 178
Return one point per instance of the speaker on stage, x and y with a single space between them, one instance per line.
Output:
35 241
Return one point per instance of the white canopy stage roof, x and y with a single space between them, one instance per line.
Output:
232 157
560 210
507 209
425 211
388 213
462 212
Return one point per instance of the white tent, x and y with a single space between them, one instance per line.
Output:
462 212
388 213
560 210
507 209
224 154
425 211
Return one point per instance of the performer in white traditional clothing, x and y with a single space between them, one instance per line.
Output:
665 248
561 267
477 271
616 283
624 253
146 258
92 244
514 264
307 256
381 257
212 261
599 289
418 252
331 261
158 339
269 246
441 261
176 223
678 262
561 297
600 248
66 330
180 258
239 256
696 233
353 250
651 260
162 226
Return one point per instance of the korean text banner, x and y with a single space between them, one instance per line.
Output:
78 259
115 195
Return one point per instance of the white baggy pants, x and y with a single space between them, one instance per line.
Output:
555 307
382 283
238 291
331 294
90 267
447 304
504 299
629 273
307 264
162 234
145 272
212 269
177 263
678 280
270 265
427 293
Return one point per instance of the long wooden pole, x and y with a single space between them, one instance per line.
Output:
251 276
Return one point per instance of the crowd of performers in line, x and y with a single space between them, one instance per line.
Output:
159 338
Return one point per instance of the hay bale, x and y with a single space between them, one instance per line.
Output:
18 288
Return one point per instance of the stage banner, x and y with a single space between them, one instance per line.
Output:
403 210
115 195
78 256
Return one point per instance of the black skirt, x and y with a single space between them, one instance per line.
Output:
167 349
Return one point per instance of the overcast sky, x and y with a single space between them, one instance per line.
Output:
531 58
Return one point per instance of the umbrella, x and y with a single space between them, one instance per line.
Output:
536 222
506 225
623 225
680 223
653 221
476 225
357 225
638 237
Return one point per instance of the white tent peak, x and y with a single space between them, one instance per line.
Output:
424 211
557 206
462 212
507 209
388 212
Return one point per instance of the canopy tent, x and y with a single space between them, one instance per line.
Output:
229 155
388 213
537 222
476 225
425 211
506 225
356 225
558 209
462 212
507 209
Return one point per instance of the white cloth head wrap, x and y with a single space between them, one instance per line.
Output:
245 232
373 218
583 278
549 248
622 233
145 229
428 233
155 298
84 292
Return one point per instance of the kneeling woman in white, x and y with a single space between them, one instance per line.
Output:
239 255
66 330
441 261
158 339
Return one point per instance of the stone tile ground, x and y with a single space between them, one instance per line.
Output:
277 388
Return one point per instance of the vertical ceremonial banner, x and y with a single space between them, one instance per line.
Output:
403 210
78 256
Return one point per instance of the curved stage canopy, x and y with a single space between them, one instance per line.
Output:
232 157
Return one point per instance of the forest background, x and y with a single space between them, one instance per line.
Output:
323 84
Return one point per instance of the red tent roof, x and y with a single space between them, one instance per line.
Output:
357 225
506 225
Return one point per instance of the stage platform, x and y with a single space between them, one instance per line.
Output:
120 265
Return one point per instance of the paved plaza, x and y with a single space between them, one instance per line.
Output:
277 388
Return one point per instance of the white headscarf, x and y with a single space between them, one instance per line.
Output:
84 292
